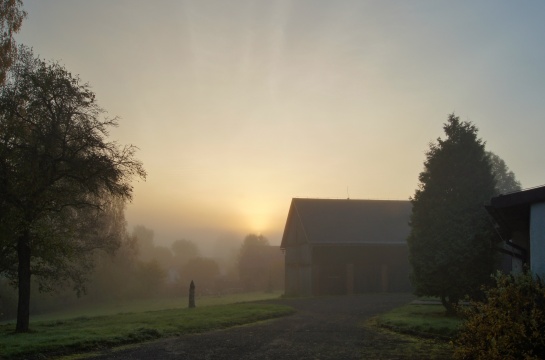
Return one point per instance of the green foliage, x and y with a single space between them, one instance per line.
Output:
508 324
451 247
506 181
61 181
90 333
11 18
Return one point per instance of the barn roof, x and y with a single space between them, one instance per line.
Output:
350 222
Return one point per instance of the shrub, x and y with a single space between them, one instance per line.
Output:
508 324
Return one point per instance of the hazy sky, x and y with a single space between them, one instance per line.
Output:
238 106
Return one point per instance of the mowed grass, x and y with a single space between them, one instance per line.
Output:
418 330
428 320
382 343
152 304
89 333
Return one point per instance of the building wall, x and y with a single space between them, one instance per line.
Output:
298 271
361 269
298 260
537 239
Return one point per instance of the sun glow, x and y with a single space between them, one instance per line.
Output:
259 217
236 107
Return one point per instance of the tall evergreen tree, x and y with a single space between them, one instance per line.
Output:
451 246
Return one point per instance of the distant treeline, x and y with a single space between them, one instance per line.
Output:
141 269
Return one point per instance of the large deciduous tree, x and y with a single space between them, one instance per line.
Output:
59 176
11 18
451 245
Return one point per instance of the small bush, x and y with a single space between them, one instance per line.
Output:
508 324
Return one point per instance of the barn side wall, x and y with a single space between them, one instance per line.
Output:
360 269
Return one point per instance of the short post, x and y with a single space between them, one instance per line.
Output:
192 295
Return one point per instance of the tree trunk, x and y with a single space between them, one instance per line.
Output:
23 305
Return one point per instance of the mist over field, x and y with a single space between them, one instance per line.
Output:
238 107
146 146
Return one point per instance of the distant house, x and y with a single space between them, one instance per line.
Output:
520 219
346 246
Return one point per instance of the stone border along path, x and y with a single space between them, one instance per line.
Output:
322 328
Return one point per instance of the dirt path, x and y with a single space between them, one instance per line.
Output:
322 328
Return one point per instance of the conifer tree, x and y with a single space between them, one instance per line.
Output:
451 244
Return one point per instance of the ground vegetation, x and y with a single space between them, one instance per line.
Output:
508 324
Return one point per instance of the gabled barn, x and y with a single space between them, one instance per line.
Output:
346 246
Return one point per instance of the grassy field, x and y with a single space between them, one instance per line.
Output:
152 304
102 327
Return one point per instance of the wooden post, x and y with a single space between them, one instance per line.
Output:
192 295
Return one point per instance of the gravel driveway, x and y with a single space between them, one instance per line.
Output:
322 328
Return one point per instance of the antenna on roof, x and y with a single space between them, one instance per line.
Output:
347 194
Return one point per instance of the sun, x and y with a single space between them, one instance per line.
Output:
256 216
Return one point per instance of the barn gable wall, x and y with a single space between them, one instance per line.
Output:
298 260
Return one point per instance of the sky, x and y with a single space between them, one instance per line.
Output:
238 106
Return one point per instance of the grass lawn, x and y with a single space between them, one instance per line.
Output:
383 343
152 304
427 320
89 332
420 331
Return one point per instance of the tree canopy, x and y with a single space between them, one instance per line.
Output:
58 176
11 18
259 263
203 271
506 181
184 250
451 241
